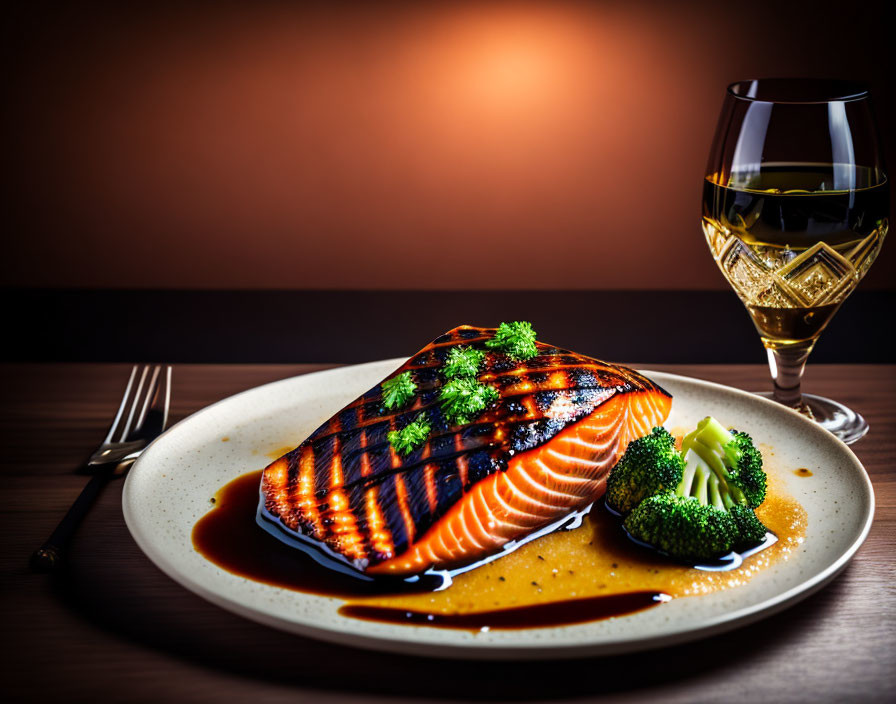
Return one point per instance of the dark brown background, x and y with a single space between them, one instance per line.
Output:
512 145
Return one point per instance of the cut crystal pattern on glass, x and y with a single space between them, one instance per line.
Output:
716 236
865 252
818 275
774 295
746 271
781 277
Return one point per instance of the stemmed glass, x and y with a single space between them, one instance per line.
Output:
795 210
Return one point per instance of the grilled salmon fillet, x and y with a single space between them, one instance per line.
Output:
541 452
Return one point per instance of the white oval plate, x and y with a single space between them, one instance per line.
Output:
169 487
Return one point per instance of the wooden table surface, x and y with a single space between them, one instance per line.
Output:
112 627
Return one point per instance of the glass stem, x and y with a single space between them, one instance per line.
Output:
787 365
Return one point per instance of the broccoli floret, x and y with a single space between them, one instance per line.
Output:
709 512
733 458
650 465
750 530
682 527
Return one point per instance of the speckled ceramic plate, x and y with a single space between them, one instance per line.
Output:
168 489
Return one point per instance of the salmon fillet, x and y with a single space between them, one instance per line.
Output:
540 453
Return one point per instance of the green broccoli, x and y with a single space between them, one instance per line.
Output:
732 457
750 530
708 511
682 527
649 466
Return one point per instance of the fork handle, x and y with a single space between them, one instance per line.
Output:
51 554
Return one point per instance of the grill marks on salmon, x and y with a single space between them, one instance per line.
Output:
540 453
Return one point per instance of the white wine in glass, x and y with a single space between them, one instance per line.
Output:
795 210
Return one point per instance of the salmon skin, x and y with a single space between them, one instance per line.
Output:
537 455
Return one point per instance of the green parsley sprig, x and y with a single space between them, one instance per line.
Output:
463 362
410 436
398 390
516 340
463 399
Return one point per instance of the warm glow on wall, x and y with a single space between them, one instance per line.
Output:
507 64
461 145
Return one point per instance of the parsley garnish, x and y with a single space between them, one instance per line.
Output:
463 362
464 399
410 436
516 340
398 390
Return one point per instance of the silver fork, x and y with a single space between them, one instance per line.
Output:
141 417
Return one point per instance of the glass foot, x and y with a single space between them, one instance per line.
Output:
838 419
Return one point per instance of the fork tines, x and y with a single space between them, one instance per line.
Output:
141 416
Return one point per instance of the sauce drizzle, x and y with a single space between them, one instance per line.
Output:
229 537
555 613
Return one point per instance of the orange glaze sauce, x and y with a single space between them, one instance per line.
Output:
595 568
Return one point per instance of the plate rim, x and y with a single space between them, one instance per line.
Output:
523 649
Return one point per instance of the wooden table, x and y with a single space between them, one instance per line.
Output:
112 627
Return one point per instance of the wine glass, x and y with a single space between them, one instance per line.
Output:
795 210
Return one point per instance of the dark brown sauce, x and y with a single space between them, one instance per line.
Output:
556 613
229 537
803 472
